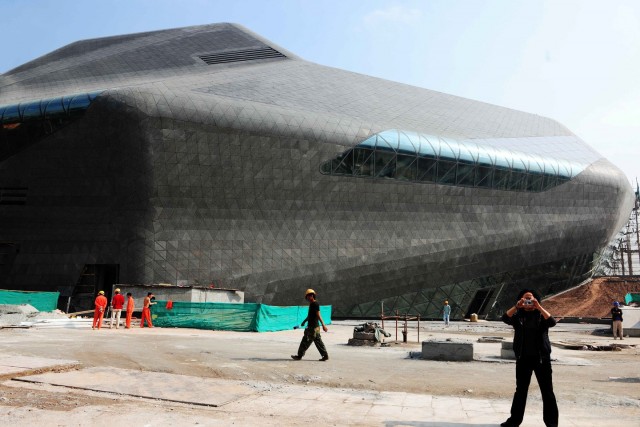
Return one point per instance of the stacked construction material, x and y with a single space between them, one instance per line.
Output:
368 334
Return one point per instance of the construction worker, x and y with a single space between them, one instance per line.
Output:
146 311
130 306
312 331
98 314
117 302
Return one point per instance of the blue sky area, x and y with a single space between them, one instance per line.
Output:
576 61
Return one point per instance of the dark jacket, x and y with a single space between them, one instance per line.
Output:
543 334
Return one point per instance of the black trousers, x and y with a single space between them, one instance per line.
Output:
524 369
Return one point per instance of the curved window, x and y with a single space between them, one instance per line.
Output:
409 156
25 123
45 109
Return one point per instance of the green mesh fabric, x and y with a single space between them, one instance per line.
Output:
42 301
231 317
631 297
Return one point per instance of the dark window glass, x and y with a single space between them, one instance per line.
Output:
446 173
549 182
79 104
94 95
501 178
534 182
11 114
54 108
345 164
363 162
385 164
516 181
465 174
426 169
484 176
406 167
31 111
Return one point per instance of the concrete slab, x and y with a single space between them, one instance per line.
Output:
15 364
449 349
152 385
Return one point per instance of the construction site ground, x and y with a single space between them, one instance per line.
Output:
156 377
594 299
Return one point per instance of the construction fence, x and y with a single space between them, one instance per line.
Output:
42 301
247 317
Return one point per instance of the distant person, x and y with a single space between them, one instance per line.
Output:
117 302
146 311
446 312
312 331
531 323
616 318
98 314
130 306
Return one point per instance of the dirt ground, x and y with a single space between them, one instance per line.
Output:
593 300
591 379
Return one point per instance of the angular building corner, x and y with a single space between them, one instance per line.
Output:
209 156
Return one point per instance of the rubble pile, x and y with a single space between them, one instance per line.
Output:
369 334
25 315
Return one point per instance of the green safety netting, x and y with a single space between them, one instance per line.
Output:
231 317
631 297
42 301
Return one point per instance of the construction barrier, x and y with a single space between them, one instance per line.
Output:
631 297
249 317
42 301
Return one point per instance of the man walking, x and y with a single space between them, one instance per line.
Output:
98 314
312 331
130 306
531 323
117 302
146 311
616 318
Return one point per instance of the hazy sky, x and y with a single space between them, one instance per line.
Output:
576 61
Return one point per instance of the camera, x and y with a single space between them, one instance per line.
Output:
528 302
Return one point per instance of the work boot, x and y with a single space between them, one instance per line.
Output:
324 359
295 357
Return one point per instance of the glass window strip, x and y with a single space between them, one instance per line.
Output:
38 109
410 156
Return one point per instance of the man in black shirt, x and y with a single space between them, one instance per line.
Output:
312 331
616 319
531 323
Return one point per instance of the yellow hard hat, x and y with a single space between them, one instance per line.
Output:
101 293
117 289
309 291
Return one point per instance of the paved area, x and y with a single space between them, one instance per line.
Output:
186 377
16 364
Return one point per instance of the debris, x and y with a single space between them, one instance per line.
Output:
369 334
491 339
23 315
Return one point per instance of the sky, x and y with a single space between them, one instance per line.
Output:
575 61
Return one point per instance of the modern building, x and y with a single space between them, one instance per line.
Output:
209 155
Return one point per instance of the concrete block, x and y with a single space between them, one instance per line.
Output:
506 351
449 349
364 336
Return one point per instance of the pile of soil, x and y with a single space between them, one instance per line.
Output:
594 299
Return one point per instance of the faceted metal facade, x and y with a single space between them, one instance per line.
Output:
183 169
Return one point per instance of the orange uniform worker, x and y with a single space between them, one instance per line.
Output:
146 311
130 306
98 314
